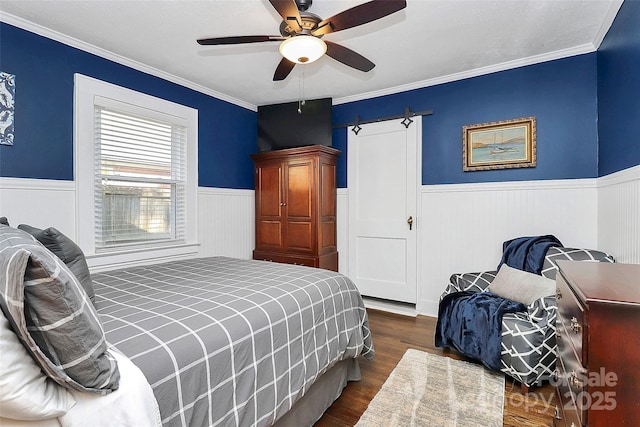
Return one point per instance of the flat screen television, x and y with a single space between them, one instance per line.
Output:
294 124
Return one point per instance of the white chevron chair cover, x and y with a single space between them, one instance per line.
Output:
528 338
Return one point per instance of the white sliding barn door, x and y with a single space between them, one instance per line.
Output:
383 164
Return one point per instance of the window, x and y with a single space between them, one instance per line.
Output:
135 171
139 177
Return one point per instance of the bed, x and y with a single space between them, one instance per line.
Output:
229 342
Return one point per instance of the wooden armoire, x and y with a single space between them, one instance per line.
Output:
296 206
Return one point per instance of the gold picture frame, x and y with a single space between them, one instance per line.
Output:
499 145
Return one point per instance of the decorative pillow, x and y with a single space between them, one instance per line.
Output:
25 392
4 221
52 315
67 251
521 286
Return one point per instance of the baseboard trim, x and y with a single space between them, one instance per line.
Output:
390 306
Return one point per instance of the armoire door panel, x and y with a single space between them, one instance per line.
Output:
328 189
328 234
269 196
299 236
269 234
299 189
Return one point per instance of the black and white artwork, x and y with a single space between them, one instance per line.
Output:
7 105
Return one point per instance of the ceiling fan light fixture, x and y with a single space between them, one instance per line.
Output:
303 49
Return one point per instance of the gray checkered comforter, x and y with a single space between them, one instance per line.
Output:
231 342
528 352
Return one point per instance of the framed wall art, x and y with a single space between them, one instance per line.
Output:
7 106
499 145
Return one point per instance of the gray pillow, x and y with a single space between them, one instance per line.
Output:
65 249
521 286
52 315
4 221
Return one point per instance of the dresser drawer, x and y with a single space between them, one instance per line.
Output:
571 316
606 297
567 414
571 377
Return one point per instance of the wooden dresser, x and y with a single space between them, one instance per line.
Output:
296 206
598 335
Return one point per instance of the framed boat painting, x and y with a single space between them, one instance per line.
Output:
499 145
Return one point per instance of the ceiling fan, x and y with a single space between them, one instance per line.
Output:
301 33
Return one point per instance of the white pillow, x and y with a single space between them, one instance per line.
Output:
25 392
521 286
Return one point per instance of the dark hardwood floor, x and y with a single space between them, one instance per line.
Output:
393 334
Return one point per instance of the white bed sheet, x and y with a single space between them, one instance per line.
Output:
132 405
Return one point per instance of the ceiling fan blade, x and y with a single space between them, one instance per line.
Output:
238 40
289 12
348 57
284 68
359 15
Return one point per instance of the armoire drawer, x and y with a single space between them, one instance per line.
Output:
286 258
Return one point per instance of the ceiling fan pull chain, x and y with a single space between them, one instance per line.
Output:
301 101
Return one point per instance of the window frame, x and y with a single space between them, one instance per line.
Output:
86 91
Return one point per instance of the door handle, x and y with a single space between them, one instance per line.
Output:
410 222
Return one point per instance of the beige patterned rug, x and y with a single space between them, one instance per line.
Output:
432 391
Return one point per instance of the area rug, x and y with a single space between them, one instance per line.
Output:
430 390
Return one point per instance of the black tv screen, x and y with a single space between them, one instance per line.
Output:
294 124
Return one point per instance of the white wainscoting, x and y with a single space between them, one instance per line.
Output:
342 229
226 222
619 215
39 202
463 226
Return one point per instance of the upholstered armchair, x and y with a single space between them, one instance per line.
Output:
528 352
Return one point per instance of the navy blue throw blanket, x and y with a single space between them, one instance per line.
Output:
527 253
471 322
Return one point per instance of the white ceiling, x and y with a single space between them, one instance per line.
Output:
428 42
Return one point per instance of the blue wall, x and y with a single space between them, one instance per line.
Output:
587 109
43 146
619 92
561 95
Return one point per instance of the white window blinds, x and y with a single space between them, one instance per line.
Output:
140 177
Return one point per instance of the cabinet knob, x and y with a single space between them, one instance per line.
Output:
283 204
575 325
575 381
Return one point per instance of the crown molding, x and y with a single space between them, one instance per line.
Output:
103 53
509 65
521 62
607 21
